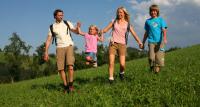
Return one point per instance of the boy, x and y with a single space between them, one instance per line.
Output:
155 31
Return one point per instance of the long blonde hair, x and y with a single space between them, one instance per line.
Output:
127 16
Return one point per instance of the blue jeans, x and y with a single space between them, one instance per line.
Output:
92 55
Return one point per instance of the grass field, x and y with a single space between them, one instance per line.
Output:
178 84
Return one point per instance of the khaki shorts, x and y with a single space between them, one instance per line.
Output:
65 56
156 57
117 48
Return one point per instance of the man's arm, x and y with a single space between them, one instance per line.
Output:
47 44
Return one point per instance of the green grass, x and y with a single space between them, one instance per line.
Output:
178 84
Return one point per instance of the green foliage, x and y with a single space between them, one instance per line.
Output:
173 49
16 55
102 54
133 53
177 85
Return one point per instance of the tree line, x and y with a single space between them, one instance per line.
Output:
16 64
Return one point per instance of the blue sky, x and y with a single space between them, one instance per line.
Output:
31 18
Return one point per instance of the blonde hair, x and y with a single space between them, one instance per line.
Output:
94 27
127 16
154 7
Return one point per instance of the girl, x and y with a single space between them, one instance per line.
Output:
91 40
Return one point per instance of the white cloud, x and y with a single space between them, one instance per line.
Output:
182 17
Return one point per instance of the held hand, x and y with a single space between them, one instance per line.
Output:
141 46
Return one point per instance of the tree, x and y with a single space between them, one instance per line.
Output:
102 54
16 53
40 52
134 53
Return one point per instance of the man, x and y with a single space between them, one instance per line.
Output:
60 31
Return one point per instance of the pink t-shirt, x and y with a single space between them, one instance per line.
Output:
91 43
118 34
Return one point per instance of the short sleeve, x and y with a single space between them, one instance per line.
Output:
70 25
49 32
146 26
163 24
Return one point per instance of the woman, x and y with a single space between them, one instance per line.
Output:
119 26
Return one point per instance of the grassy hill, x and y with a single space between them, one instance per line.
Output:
178 84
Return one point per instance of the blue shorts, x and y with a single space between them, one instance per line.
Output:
92 55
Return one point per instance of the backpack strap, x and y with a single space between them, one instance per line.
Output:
68 29
127 32
53 34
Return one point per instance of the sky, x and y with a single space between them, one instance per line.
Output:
30 19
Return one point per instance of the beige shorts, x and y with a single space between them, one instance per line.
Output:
156 57
65 56
117 48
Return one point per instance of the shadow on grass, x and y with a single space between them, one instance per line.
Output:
102 80
49 86
94 80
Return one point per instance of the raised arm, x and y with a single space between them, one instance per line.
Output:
73 29
100 38
107 28
136 36
79 29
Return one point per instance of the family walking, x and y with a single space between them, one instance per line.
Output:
60 33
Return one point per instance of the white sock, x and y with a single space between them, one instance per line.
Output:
122 72
111 78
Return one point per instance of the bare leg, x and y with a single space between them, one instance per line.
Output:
71 73
122 63
63 77
111 65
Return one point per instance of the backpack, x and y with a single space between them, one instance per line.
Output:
54 35
127 31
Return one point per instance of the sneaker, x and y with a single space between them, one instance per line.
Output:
71 88
111 81
95 64
151 68
66 88
121 76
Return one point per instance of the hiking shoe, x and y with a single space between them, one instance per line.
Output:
121 76
66 88
152 68
71 88
111 81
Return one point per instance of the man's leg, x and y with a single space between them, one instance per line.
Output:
63 77
60 56
71 77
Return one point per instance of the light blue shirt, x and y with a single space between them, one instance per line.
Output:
154 27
